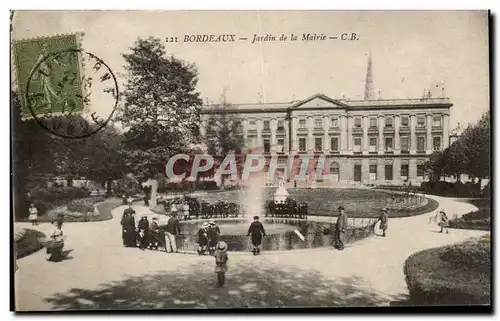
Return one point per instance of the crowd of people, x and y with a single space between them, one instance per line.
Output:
144 234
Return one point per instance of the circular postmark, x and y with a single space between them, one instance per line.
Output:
66 102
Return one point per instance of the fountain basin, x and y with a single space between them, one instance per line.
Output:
280 234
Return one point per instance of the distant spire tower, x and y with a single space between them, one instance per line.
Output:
369 79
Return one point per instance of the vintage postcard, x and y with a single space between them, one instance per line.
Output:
250 159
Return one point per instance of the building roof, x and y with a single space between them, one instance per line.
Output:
319 101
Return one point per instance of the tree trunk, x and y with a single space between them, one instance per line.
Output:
109 183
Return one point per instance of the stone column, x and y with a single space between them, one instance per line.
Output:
396 167
260 126
326 126
428 127
412 169
413 136
365 134
446 130
381 121
244 123
274 126
343 133
310 137
295 141
286 148
350 123
365 170
397 140
380 169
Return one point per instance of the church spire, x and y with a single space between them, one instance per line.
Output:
369 79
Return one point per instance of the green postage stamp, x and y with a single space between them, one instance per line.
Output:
49 75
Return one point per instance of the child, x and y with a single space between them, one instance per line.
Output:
221 262
33 215
443 221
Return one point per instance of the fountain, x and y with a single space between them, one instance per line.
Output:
281 193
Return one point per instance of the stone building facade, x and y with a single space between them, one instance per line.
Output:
369 141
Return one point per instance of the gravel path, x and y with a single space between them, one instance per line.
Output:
101 274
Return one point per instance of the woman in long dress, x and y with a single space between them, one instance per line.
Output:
33 215
56 243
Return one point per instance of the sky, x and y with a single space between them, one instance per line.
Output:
411 51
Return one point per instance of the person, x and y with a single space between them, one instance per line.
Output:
173 229
154 232
147 194
33 214
383 218
203 239
143 228
443 221
128 227
221 259
185 209
56 243
256 230
213 236
340 227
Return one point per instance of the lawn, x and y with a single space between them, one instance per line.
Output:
477 220
104 208
357 202
30 242
456 274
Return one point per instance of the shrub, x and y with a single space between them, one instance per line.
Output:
30 242
84 205
457 274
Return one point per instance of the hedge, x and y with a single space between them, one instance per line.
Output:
30 242
451 275
46 198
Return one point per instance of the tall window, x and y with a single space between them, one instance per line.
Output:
266 124
267 146
334 171
436 121
357 122
302 123
373 121
420 143
281 124
388 121
373 172
420 171
436 142
372 147
334 144
388 172
281 145
388 144
251 124
421 121
405 144
302 144
335 123
357 144
404 171
318 144
405 121
318 123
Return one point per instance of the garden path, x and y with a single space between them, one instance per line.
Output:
101 274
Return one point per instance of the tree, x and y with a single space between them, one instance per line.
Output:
476 141
224 131
161 111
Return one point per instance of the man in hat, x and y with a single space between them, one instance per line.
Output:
383 218
173 229
256 230
340 227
